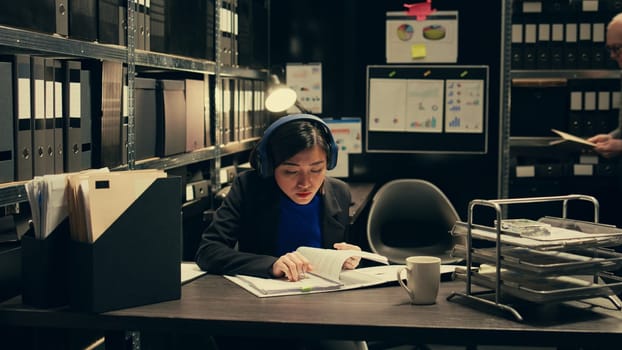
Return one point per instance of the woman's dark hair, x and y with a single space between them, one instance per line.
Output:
291 138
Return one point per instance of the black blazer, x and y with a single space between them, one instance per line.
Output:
249 217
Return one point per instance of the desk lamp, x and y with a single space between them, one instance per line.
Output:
281 97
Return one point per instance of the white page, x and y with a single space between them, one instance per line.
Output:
328 262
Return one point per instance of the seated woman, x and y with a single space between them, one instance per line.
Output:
287 201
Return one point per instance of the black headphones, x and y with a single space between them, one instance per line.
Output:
264 165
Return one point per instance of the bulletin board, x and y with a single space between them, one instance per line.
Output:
427 109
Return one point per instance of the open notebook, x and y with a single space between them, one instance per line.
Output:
326 277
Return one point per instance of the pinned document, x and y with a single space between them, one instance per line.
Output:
433 40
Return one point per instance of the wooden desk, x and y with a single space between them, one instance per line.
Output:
213 305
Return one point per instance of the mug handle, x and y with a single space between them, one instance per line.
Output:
400 281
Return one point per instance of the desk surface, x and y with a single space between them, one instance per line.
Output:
212 304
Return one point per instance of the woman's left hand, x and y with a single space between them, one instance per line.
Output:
352 261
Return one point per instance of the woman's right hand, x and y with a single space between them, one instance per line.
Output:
292 265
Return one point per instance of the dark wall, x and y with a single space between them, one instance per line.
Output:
346 36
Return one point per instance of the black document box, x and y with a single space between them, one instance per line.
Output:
44 268
10 269
136 261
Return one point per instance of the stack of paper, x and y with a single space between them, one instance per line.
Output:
48 203
97 199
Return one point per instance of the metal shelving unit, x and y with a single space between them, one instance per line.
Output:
20 40
510 146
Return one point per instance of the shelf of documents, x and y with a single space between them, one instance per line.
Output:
549 260
567 73
199 155
53 43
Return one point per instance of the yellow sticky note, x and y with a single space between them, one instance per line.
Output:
418 51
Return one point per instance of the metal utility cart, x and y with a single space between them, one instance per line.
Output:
545 261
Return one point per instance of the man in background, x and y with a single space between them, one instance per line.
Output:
610 145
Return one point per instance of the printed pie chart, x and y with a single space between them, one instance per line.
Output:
434 32
405 32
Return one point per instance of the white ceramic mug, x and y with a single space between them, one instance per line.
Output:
423 277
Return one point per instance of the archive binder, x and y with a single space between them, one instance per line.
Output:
570 47
72 114
40 15
7 159
86 113
45 269
195 110
118 270
59 121
584 46
43 163
111 88
108 21
83 19
23 121
140 25
171 117
157 21
145 118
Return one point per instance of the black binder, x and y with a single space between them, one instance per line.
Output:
584 46
571 43
23 117
43 161
72 113
7 160
37 15
122 28
575 121
139 35
590 101
83 19
157 22
171 114
190 16
62 19
145 118
108 21
543 48
58 119
530 45
86 121
557 45
136 261
252 33
599 53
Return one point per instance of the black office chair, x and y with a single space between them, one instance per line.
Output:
412 217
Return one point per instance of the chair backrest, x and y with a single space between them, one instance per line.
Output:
411 217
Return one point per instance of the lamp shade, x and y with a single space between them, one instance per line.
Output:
280 98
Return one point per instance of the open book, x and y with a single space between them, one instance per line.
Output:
569 137
327 274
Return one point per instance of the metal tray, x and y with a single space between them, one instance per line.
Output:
581 234
545 289
572 262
